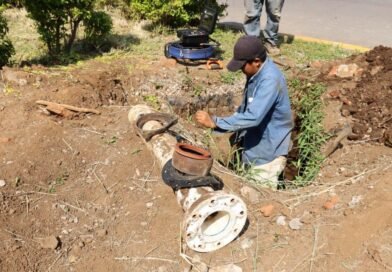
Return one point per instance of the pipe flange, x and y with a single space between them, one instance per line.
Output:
192 160
178 180
166 121
213 221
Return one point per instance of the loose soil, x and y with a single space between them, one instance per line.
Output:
89 183
368 99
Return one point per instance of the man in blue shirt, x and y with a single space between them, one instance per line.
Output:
264 116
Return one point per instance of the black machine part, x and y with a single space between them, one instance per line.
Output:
178 180
208 19
196 37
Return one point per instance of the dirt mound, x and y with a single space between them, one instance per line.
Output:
368 101
85 194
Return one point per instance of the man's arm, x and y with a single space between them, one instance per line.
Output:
265 96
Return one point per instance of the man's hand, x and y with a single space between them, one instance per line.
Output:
204 119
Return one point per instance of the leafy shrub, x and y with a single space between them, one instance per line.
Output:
13 3
97 26
58 21
6 47
169 12
122 5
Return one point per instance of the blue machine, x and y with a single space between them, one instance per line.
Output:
194 44
178 51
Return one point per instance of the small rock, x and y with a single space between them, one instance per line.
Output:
143 223
295 224
226 268
251 194
316 64
162 269
199 265
341 170
72 258
375 70
346 70
102 232
22 82
267 210
307 217
355 200
330 203
247 243
347 212
51 242
281 220
149 204
2 183
4 140
87 238
11 211
388 137
346 101
15 247
333 71
334 93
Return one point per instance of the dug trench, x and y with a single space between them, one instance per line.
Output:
83 192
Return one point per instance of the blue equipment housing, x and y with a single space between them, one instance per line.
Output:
178 51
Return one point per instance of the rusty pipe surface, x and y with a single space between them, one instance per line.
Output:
212 219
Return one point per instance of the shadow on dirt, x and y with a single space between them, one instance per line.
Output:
83 50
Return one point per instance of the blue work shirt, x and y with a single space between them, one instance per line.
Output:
264 115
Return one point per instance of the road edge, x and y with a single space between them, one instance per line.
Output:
339 44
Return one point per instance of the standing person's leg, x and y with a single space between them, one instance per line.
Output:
252 17
274 10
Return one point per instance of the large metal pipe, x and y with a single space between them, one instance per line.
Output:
212 218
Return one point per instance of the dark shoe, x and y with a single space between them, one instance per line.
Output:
272 49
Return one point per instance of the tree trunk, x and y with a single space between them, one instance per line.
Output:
72 37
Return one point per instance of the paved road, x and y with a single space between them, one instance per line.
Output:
361 22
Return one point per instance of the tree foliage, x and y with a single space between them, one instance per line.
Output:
6 47
97 25
172 13
58 21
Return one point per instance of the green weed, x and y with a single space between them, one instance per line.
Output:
229 77
60 180
136 151
190 86
112 140
152 100
307 103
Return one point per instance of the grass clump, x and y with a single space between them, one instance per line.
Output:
306 100
304 52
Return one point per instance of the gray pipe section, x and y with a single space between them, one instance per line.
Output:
212 218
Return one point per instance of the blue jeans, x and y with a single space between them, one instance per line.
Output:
252 18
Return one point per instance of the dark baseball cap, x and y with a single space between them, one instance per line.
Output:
246 48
